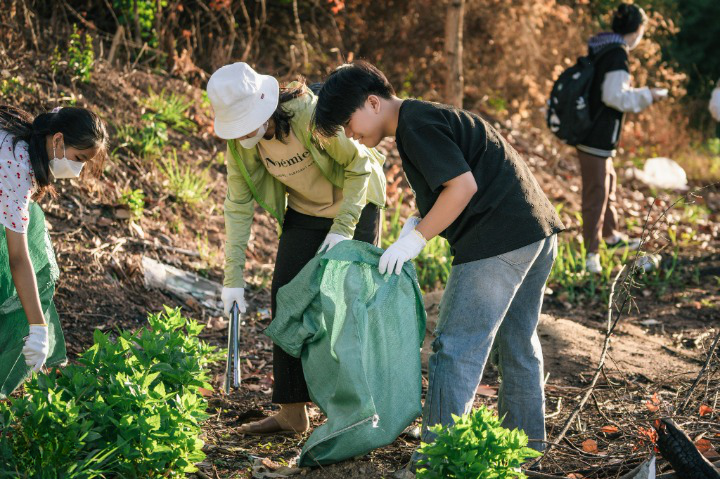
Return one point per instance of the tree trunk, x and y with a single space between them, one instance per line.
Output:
454 52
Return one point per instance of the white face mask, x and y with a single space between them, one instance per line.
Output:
62 168
248 143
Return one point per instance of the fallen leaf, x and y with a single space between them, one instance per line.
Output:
575 475
651 407
609 429
590 445
205 392
648 433
703 445
704 409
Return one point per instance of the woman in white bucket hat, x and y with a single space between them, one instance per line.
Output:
320 194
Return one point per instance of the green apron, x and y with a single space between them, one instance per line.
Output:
13 322
359 335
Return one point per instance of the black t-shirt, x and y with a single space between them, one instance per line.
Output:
438 143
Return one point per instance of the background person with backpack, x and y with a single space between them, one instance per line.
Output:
601 81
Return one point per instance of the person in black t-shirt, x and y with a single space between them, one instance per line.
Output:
475 190
611 97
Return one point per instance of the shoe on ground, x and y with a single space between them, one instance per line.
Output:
622 242
592 263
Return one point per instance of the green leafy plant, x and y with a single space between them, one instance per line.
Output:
477 446
135 201
130 408
79 59
187 182
139 17
147 141
168 108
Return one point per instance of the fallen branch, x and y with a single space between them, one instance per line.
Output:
598 371
710 355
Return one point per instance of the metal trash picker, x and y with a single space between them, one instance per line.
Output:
232 371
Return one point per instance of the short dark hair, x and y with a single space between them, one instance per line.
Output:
344 92
628 18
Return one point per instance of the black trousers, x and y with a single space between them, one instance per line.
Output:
301 238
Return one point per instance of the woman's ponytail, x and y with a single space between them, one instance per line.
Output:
41 127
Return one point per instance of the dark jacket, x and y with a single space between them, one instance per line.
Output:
610 94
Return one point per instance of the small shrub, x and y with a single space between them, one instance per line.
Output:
135 201
130 408
80 57
475 447
187 183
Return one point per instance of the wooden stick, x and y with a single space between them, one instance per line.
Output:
598 370
711 353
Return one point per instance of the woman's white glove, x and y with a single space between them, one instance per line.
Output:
37 347
409 225
404 249
331 240
233 295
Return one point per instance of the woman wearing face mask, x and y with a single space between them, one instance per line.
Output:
34 152
611 97
320 194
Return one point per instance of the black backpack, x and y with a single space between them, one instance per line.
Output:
568 109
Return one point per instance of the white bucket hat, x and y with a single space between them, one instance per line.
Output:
242 99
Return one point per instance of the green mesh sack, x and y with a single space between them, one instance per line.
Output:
13 322
359 334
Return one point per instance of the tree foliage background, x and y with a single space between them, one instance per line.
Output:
513 50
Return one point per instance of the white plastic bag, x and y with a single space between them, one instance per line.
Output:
661 173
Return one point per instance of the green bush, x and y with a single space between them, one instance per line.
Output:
80 57
131 408
475 447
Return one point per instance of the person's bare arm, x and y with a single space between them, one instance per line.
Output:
24 276
453 199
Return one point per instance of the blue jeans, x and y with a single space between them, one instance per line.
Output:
492 301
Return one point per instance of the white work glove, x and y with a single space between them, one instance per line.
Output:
409 225
37 347
331 240
404 249
233 295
